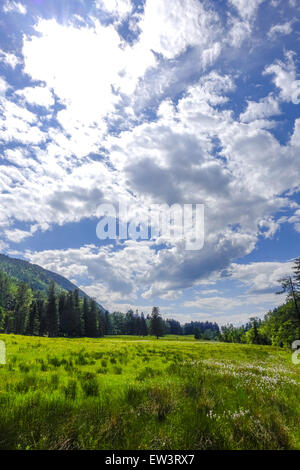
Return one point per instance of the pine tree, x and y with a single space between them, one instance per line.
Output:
156 323
129 321
23 301
68 315
289 286
85 316
101 324
91 311
33 323
77 315
43 324
144 328
52 313
62 301
108 324
296 269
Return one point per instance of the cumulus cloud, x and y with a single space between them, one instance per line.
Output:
9 59
118 8
260 277
147 121
285 78
18 124
262 109
169 33
38 95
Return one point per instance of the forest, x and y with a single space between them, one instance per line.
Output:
57 312
60 313
279 327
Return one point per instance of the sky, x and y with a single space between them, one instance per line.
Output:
153 102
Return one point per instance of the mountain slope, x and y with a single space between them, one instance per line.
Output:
35 276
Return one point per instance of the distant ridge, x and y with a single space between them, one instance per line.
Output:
35 276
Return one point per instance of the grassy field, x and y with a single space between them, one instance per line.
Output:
137 393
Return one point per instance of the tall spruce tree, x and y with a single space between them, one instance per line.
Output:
91 319
52 313
144 327
33 323
62 301
43 324
156 323
68 314
77 315
85 316
23 302
101 323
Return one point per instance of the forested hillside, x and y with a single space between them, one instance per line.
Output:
36 277
56 312
53 311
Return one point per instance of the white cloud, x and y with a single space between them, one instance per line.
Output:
3 245
14 7
3 86
9 59
239 30
170 32
118 8
18 124
37 95
280 29
80 64
261 277
194 150
286 78
262 109
247 8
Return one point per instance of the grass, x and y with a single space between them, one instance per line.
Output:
137 393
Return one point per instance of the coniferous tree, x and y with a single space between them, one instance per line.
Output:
62 319
101 324
52 313
85 316
296 269
77 316
108 324
69 311
289 286
43 324
92 327
144 328
33 323
129 322
156 323
23 301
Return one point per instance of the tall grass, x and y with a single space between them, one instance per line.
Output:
133 393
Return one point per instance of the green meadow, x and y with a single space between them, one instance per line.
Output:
142 393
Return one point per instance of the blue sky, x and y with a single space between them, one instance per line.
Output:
108 101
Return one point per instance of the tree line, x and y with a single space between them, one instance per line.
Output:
279 327
66 314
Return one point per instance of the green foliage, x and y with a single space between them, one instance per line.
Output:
156 323
24 311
